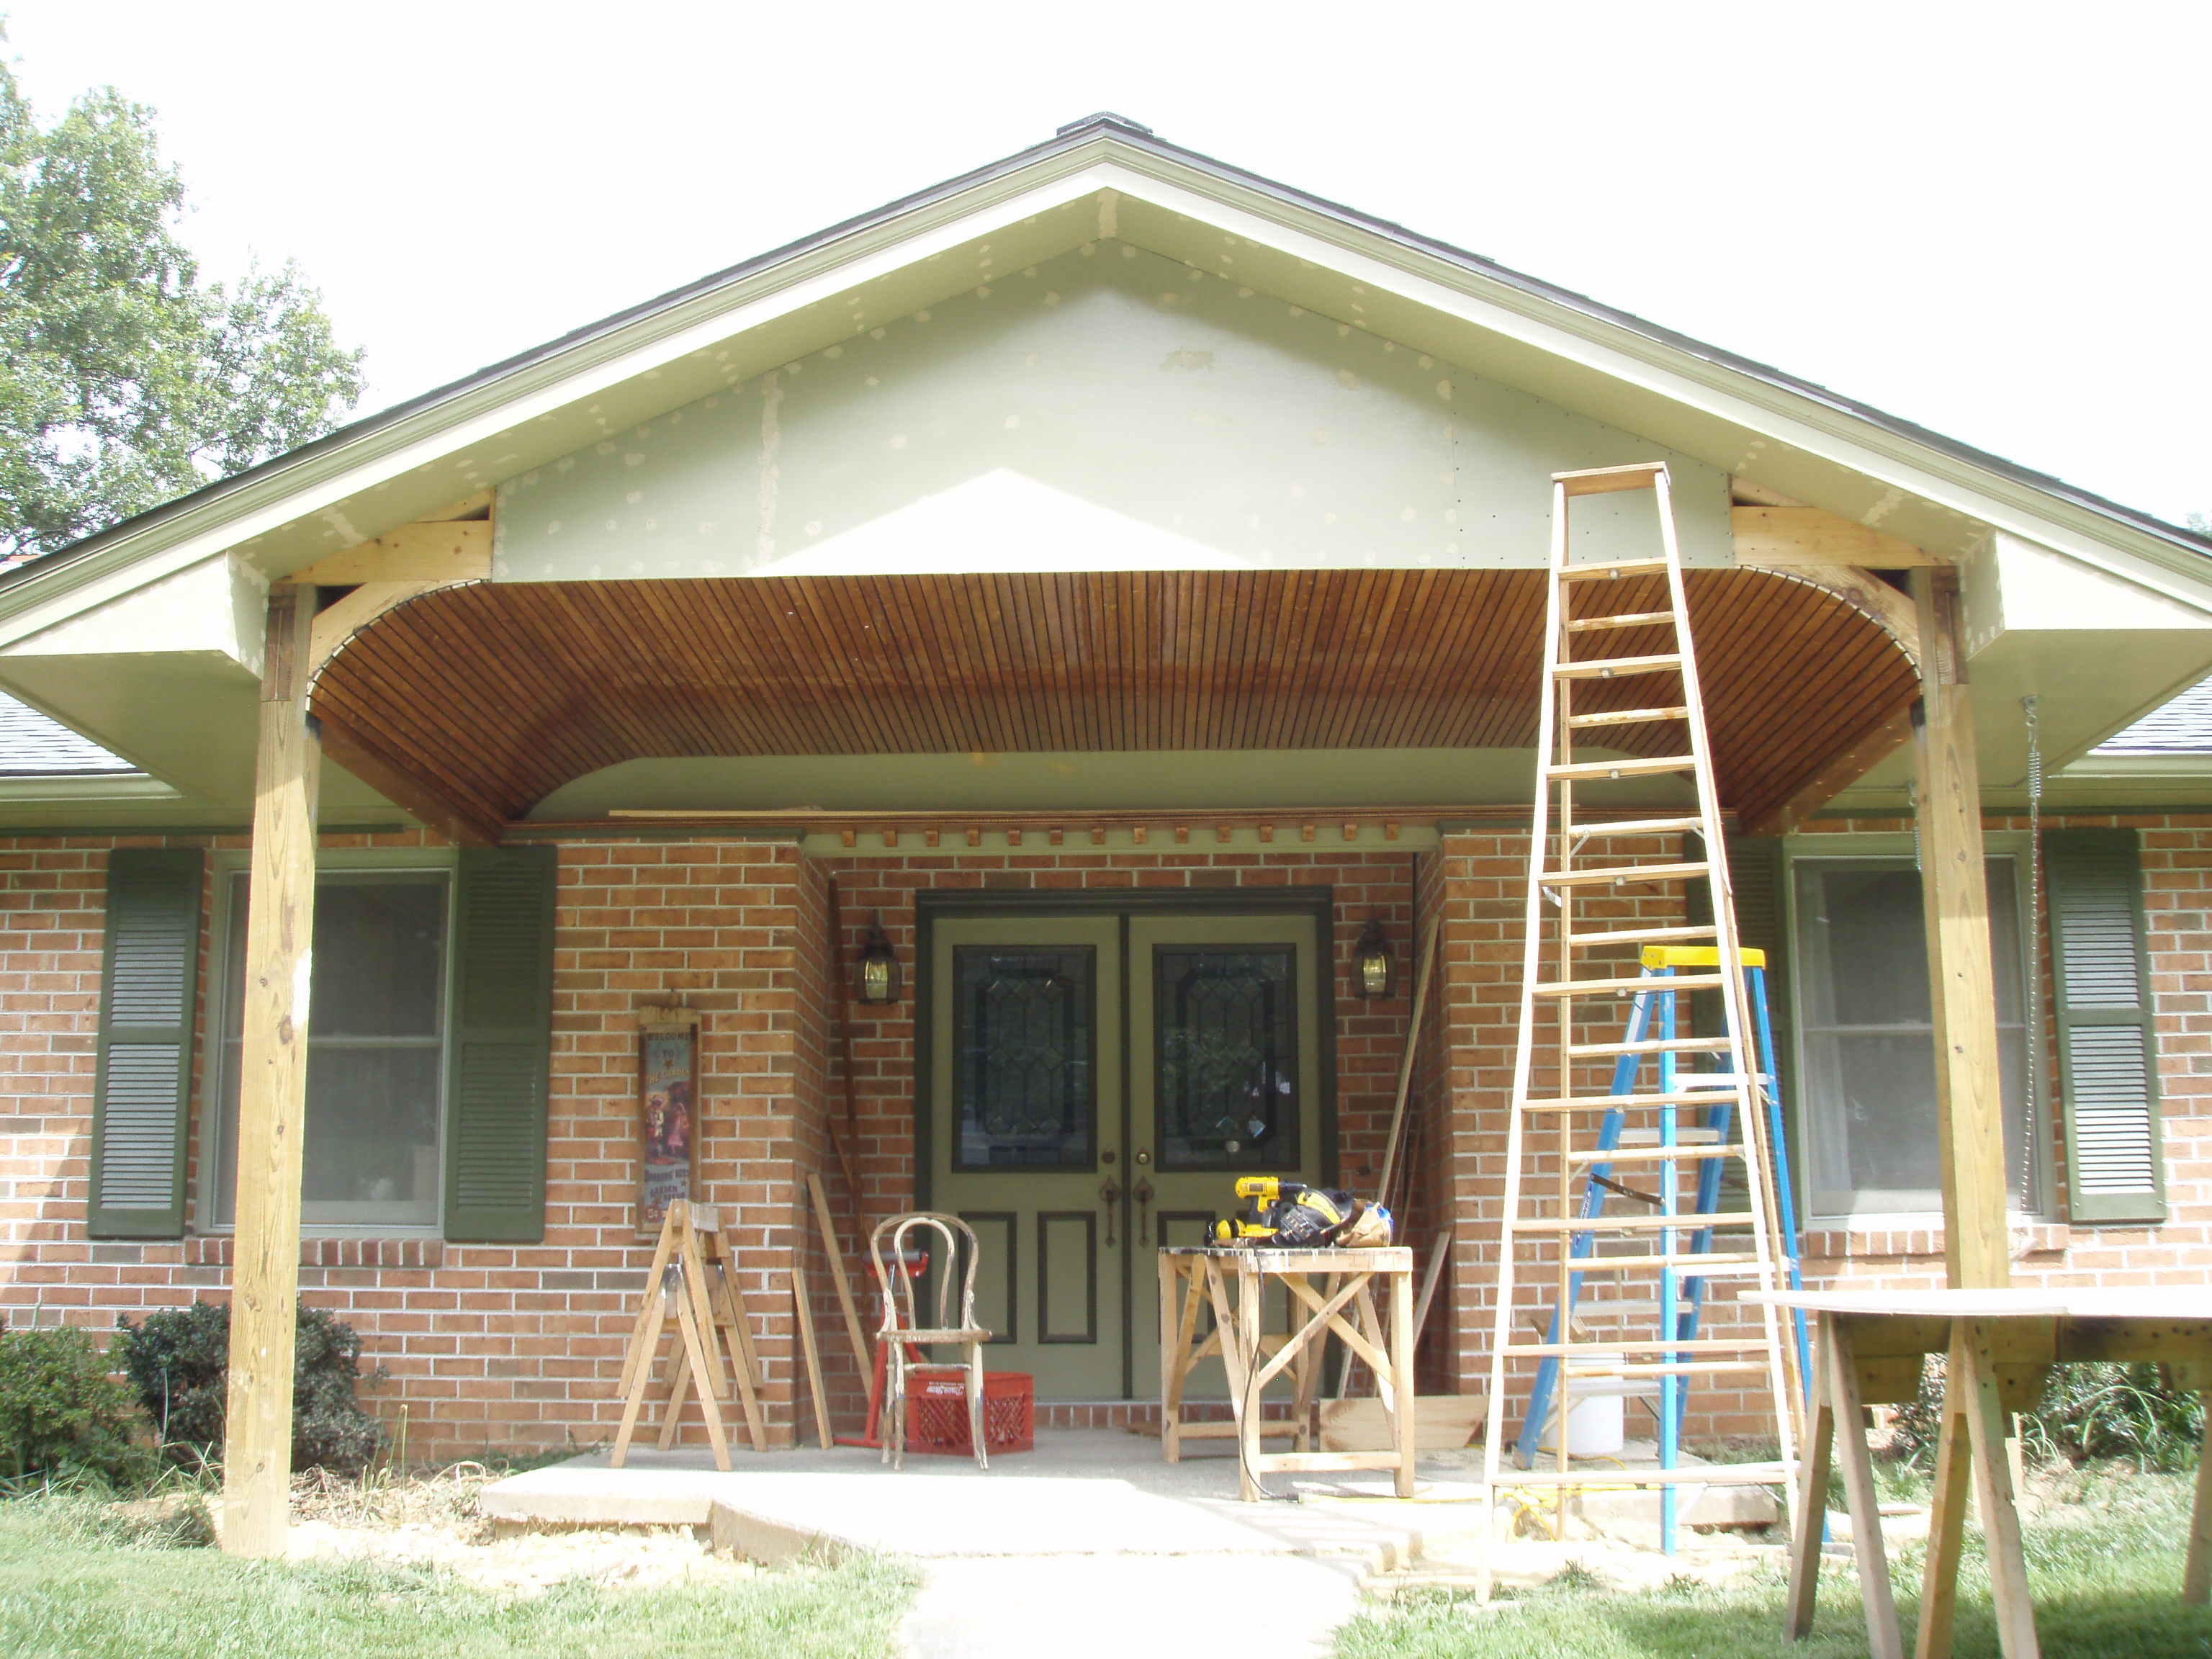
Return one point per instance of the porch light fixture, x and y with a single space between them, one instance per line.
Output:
879 967
1372 958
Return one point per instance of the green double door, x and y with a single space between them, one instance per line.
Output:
1097 1083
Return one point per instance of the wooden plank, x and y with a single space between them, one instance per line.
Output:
1855 1463
2196 1572
1858 757
272 1090
1812 534
1988 1425
1954 900
410 794
837 1272
413 553
804 1304
1447 1422
1811 1520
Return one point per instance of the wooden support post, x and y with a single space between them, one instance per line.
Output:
272 1108
1954 898
2196 1572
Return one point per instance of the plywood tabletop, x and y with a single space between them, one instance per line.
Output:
2035 1302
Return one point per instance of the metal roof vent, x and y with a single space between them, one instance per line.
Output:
1103 118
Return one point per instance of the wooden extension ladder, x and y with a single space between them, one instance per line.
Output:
1631 616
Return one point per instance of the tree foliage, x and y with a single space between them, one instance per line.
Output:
124 379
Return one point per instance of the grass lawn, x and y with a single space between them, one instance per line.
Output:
2104 1561
76 1580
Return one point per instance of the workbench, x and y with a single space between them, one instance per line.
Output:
2002 1345
1325 1285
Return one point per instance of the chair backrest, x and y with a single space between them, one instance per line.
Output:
888 1248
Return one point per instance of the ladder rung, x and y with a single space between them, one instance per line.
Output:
1637 767
1620 874
1696 1265
1625 1305
1702 1474
1641 935
1626 619
1644 1142
1682 1221
1623 1102
1636 1345
1711 1045
1631 716
1618 987
1683 1368
1606 480
1641 827
1606 570
1614 668
1687 1154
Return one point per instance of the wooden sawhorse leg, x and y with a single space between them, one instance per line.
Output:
2197 1576
1838 1429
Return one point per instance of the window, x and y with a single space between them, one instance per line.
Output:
376 1049
1024 1024
1866 1036
1227 1033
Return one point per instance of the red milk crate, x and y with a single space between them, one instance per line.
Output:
937 1412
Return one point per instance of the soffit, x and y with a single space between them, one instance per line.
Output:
497 695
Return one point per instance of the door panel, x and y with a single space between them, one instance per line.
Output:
1225 1080
1026 1128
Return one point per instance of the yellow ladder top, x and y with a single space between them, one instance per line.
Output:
1696 955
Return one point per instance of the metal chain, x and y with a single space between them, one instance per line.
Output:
2031 705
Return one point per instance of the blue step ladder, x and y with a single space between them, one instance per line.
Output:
1654 1007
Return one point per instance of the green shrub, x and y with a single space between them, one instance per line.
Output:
61 1414
2087 1410
179 1362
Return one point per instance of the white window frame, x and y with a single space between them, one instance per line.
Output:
1889 848
208 1189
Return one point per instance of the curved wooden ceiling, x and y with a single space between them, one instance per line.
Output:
493 696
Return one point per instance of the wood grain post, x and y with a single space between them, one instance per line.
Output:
1954 899
272 1102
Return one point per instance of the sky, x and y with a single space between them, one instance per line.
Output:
1990 219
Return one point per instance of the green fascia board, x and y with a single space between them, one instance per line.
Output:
1104 155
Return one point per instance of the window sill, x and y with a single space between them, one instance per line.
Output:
1897 1237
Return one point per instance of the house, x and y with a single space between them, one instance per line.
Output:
1109 583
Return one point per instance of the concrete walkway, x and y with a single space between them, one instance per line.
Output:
1049 1552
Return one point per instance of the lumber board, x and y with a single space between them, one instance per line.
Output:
447 552
272 1090
1812 535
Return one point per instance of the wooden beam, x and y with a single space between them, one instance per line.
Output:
1954 900
412 553
368 762
272 1105
1835 775
1812 535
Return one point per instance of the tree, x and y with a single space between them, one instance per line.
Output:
125 381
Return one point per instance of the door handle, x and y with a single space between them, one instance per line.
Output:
1110 1195
1143 1194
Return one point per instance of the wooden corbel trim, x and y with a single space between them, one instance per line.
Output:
1865 591
447 552
390 779
340 622
1857 758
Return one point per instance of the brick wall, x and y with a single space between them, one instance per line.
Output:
520 1346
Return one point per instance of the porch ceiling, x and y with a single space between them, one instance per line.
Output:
492 696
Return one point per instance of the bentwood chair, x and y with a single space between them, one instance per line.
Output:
888 1249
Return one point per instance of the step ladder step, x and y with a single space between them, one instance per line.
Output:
1620 874
1608 480
1637 767
1692 1045
1617 668
1641 1141
1631 716
1621 988
1603 570
1623 1307
1626 619
1699 1152
1682 1221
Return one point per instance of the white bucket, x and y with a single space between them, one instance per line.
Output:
1596 1406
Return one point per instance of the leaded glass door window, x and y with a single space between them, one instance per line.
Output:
1225 1042
1025 1027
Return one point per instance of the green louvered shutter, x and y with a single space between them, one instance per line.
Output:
2107 1040
142 1081
501 1053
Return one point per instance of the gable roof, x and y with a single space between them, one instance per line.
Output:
417 455
32 746
2183 727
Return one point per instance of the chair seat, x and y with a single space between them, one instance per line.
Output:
919 1338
